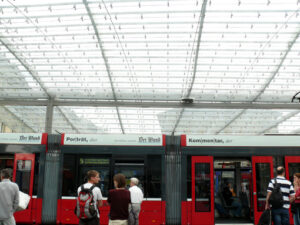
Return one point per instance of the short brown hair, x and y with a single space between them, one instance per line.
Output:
5 173
120 179
297 175
91 173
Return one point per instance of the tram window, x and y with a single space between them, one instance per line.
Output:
6 162
99 164
153 189
293 168
23 173
69 185
131 169
202 187
263 177
189 178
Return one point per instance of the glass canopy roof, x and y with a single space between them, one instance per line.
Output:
131 66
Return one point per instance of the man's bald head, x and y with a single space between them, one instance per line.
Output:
280 171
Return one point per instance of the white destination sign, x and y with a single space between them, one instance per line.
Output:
16 138
216 140
93 139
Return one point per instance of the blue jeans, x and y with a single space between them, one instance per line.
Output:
238 208
296 218
221 209
281 216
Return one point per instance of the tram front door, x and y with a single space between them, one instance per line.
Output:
202 190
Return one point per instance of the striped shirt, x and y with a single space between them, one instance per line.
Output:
286 188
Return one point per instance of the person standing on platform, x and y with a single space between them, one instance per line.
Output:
136 196
280 215
119 200
93 179
9 199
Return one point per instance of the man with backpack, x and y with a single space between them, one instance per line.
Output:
88 200
280 190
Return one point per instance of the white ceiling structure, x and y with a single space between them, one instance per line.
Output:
126 66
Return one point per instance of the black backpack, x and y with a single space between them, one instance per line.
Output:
276 198
265 218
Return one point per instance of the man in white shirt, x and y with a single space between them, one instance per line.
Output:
136 196
9 198
93 179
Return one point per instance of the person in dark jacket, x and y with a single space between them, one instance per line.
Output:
230 201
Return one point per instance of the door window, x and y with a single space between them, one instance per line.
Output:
202 187
263 177
23 173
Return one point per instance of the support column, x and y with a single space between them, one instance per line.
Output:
173 180
49 117
51 184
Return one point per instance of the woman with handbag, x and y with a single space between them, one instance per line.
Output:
296 203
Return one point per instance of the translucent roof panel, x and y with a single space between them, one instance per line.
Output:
243 45
96 61
32 118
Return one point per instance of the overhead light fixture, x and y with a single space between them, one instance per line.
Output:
296 96
187 100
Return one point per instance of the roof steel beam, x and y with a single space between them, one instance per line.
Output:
133 104
104 58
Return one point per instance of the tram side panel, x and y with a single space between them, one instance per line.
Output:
143 162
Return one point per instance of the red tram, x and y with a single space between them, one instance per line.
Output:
181 176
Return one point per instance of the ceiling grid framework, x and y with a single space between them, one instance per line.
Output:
124 66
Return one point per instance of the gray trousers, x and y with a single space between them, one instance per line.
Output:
134 211
10 221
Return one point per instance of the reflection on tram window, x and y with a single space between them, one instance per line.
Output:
202 187
131 169
263 177
23 175
69 176
153 189
293 168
